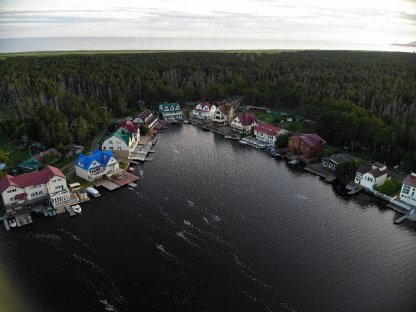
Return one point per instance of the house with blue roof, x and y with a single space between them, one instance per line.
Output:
94 166
170 112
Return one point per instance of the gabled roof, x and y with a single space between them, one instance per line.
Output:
102 157
363 169
312 139
145 114
225 107
410 180
121 134
204 104
130 126
377 172
162 106
338 158
31 163
246 119
51 151
268 129
34 178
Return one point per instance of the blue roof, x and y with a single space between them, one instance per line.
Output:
102 157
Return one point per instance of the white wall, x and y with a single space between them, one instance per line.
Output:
114 144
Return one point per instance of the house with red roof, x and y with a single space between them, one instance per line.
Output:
306 144
34 187
133 128
224 113
244 122
268 133
204 110
369 177
408 191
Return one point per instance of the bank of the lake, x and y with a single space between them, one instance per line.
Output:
216 226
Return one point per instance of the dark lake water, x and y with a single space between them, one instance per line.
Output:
213 226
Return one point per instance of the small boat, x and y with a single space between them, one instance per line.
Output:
228 137
12 222
205 128
186 121
51 211
93 192
242 142
76 208
294 162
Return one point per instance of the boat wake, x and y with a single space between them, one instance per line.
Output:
182 235
108 306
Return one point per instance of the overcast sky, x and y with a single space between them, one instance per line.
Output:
347 21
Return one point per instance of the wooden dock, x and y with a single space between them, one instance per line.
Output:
132 184
401 219
71 212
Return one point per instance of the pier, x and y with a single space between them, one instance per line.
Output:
71 211
319 170
6 224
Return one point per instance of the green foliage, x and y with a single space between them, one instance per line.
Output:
282 140
363 100
3 157
144 129
390 187
346 171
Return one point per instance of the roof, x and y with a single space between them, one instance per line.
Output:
162 106
204 104
130 126
246 119
225 107
363 169
338 158
74 148
410 180
268 129
145 114
378 165
312 139
31 163
121 134
377 172
38 177
51 151
102 157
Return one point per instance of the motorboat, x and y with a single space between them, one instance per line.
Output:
12 222
76 208
294 162
93 192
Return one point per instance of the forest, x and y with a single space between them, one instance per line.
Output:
365 101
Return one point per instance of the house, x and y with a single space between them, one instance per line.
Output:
204 110
52 152
73 150
122 142
306 144
333 161
368 177
224 113
146 118
93 167
29 165
170 112
34 187
408 191
133 128
268 133
244 122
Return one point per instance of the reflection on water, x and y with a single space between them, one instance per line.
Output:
217 226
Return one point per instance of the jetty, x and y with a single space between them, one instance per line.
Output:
319 170
70 211
118 179
6 224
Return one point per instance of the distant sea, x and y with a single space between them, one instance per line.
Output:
8 45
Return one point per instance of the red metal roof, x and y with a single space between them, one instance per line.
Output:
410 180
204 104
268 129
130 126
246 119
38 177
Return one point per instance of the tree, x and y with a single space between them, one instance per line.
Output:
144 129
4 158
346 171
282 140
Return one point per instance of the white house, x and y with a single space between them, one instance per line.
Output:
204 110
93 167
369 177
408 191
122 142
268 133
33 187
224 113
170 112
244 122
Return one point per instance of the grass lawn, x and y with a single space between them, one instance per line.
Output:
12 149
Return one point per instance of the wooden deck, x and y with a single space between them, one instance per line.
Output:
71 212
6 224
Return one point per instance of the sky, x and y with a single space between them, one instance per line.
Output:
353 22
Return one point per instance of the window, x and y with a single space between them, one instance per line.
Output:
406 189
110 142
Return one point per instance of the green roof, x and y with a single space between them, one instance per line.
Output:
30 164
121 134
162 106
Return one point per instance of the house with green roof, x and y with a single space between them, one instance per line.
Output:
170 112
29 165
122 142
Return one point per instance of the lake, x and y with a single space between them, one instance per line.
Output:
213 226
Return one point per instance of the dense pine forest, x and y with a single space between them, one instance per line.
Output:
365 101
